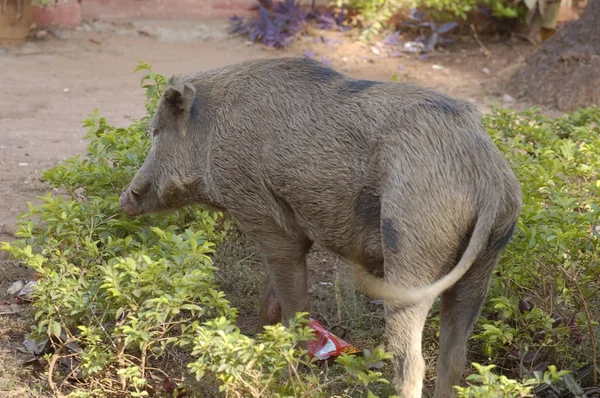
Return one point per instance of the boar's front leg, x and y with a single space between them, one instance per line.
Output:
284 253
270 307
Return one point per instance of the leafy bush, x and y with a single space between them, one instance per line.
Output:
543 303
376 14
442 9
124 290
118 298
485 384
255 368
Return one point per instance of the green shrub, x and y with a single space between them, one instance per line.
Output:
486 384
377 13
543 303
126 290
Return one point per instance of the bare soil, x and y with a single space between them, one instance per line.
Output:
53 82
563 73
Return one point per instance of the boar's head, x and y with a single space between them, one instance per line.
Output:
170 176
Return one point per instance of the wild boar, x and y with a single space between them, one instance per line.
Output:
402 181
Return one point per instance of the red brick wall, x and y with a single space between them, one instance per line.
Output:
71 12
163 9
63 13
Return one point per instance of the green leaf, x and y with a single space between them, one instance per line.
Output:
54 329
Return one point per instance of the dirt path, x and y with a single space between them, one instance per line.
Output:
48 87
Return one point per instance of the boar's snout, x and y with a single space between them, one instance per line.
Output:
126 201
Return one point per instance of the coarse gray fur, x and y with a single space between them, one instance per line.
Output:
402 181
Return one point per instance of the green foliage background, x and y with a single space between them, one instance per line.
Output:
443 9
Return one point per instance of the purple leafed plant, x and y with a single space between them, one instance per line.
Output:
392 40
329 20
277 23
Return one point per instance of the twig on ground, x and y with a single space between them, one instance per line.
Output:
484 49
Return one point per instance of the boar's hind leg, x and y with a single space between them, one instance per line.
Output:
417 251
405 327
460 308
284 255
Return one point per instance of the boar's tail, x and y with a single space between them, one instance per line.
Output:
382 289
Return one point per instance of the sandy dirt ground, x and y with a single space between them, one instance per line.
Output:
49 85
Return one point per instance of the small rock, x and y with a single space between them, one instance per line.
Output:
375 50
345 59
15 288
414 47
95 39
23 164
2 146
437 67
27 289
148 33
486 71
79 29
33 347
42 34
508 98
9 229
66 90
59 33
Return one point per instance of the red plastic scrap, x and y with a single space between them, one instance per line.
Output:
327 345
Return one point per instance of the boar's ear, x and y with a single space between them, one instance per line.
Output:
180 102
